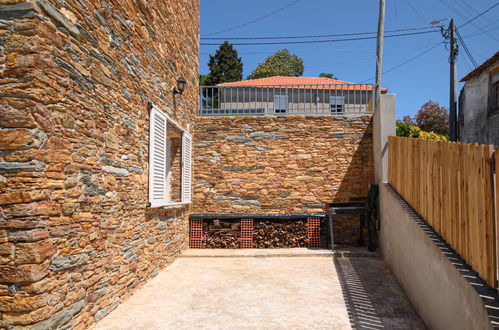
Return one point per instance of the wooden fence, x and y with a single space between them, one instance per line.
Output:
451 186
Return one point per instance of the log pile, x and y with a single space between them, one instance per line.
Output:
221 235
278 234
218 234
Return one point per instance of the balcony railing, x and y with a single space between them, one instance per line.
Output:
334 99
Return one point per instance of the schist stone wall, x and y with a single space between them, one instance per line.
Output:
282 164
76 77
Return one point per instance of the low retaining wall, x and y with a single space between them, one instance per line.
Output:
443 289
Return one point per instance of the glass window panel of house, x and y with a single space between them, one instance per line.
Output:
337 104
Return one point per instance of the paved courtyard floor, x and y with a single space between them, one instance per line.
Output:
267 289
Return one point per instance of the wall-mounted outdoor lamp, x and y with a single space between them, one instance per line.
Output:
181 82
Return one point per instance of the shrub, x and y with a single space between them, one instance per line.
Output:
405 129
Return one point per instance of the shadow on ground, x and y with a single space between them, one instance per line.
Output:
373 298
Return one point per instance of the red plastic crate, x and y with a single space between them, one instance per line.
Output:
196 233
314 232
246 241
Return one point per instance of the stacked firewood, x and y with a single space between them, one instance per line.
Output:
221 235
277 234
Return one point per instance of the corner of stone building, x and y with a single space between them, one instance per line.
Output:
76 236
26 205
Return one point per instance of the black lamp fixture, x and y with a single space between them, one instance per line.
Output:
181 82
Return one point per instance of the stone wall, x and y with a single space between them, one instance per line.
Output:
76 77
287 164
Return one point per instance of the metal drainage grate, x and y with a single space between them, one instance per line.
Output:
314 232
246 234
196 234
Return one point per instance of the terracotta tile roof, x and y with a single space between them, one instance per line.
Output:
481 67
281 81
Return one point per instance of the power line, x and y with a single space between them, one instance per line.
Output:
317 41
364 58
458 12
482 32
255 20
416 12
405 62
334 50
485 21
466 48
474 18
464 17
323 35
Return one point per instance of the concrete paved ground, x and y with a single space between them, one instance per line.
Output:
314 291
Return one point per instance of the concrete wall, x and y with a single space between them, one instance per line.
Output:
383 127
442 296
480 118
76 236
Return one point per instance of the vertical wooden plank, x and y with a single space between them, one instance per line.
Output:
474 207
438 191
453 193
466 192
496 223
445 191
461 199
432 186
481 206
489 217
424 180
454 176
451 186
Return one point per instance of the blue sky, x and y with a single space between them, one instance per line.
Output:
425 78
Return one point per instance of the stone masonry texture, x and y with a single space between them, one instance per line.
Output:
76 78
282 164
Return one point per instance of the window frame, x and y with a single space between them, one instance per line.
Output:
336 103
186 138
281 110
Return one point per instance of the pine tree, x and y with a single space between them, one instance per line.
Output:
282 63
327 75
225 66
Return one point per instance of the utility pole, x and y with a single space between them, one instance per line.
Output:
453 84
379 51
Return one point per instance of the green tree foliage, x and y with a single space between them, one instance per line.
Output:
431 117
327 75
225 66
202 79
282 63
405 129
407 119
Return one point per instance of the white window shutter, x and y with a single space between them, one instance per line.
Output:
186 167
157 158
